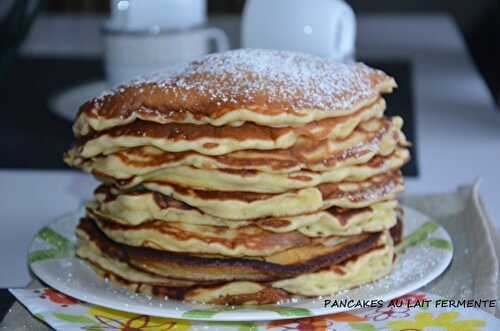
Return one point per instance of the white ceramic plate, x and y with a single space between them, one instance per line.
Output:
66 103
427 253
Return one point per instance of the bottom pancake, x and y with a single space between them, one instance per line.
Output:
289 263
360 269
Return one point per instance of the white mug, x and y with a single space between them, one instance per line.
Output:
323 27
166 14
128 54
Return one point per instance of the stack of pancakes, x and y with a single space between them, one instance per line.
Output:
250 176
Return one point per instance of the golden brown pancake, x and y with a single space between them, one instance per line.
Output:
270 88
336 221
212 140
253 239
112 261
239 205
354 272
136 208
203 239
374 137
263 182
213 267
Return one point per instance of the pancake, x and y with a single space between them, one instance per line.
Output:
269 88
338 221
202 267
263 182
211 140
233 293
357 271
237 205
249 240
113 261
136 208
379 136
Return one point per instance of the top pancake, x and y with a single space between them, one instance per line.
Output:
269 88
213 140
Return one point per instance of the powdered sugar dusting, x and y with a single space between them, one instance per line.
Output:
256 76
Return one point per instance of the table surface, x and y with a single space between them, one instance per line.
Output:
457 125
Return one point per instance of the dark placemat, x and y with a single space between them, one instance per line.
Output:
401 103
6 301
35 138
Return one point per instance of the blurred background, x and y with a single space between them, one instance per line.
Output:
56 54
63 52
478 21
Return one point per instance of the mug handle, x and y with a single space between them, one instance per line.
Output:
220 38
345 31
